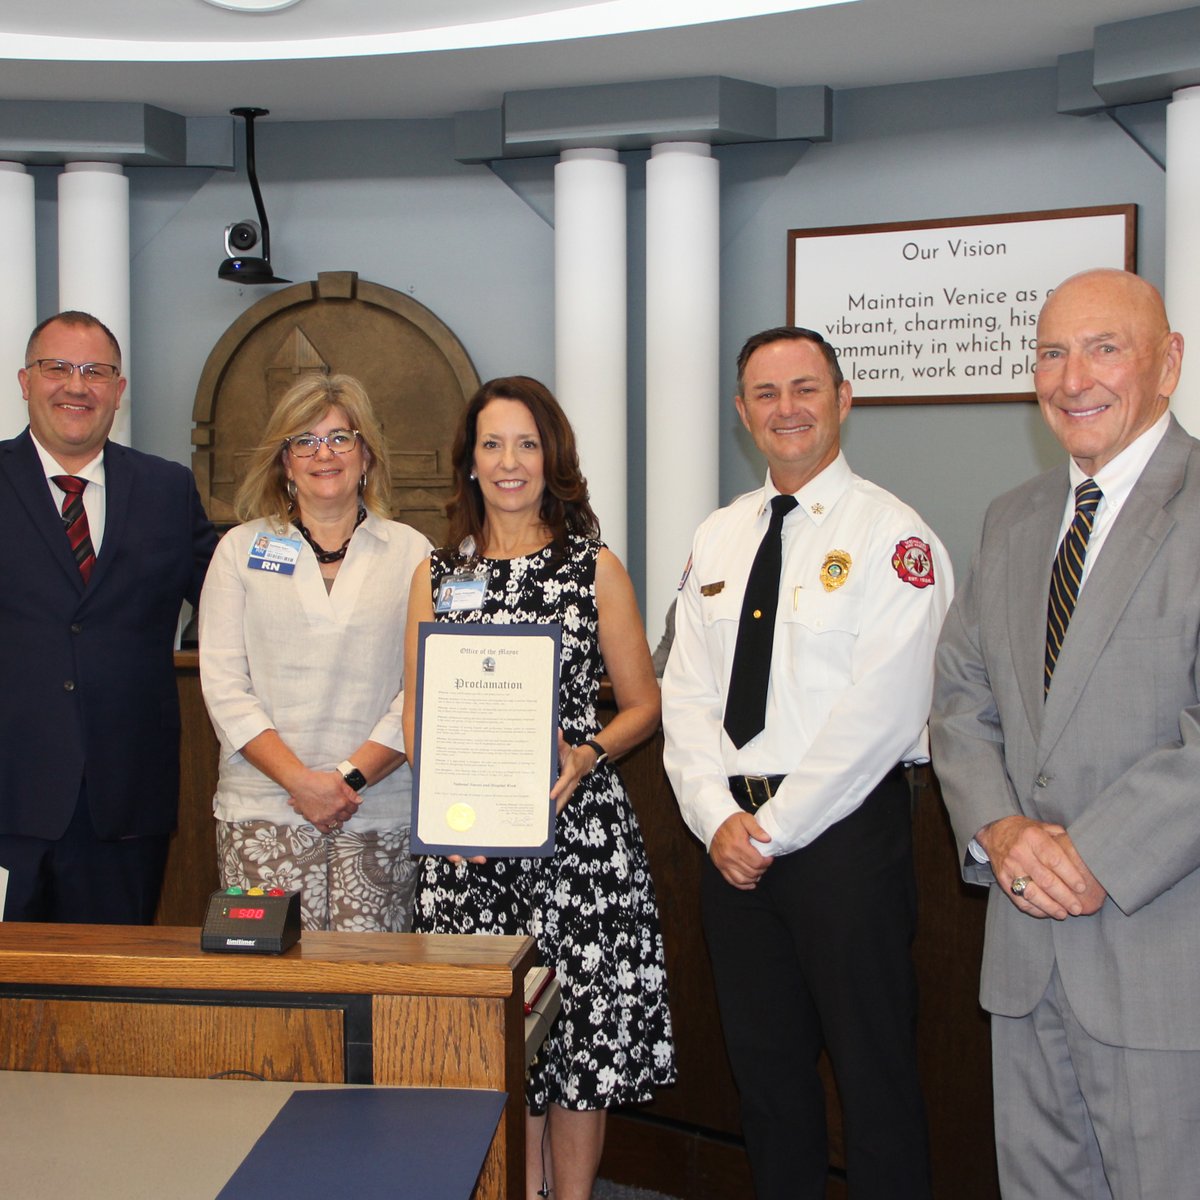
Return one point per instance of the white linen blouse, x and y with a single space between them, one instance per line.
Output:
325 670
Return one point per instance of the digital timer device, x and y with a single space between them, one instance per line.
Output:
251 921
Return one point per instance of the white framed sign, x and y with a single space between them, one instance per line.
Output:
945 311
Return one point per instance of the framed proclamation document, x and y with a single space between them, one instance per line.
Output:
486 753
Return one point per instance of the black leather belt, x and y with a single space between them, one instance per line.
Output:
753 791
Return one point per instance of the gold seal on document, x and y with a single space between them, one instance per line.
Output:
460 817
835 570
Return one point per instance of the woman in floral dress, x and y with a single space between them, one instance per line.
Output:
521 523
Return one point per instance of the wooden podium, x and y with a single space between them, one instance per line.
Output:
387 1008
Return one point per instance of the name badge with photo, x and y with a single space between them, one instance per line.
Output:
274 553
459 593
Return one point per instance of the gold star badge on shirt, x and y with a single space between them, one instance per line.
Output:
835 570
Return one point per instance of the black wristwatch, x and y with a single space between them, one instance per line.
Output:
601 753
352 775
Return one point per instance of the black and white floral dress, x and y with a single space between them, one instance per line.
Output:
590 906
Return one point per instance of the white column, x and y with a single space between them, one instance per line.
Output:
93 256
683 394
590 325
18 296
1182 291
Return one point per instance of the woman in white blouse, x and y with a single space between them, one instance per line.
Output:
302 667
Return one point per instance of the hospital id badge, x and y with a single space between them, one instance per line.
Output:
459 592
273 553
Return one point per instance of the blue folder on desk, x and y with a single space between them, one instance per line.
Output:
423 1143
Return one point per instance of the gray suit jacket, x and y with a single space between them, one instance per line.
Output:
1113 753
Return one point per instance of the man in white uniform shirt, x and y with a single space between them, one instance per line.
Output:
808 896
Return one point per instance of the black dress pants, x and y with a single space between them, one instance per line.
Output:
818 955
81 878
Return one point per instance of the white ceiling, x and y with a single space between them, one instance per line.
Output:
188 29
329 65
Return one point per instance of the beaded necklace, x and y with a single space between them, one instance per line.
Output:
329 556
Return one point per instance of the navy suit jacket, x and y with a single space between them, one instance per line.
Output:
87 679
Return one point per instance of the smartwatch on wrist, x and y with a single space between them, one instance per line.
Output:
352 775
601 753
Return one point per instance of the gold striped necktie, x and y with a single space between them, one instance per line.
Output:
1067 574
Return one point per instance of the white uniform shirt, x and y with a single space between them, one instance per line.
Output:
325 670
851 668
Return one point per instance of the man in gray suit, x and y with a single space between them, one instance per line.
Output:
1066 735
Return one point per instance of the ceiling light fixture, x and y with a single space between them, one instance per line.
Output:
572 20
252 6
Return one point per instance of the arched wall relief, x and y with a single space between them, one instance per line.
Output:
415 370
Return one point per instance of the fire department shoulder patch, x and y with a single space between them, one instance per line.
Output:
913 562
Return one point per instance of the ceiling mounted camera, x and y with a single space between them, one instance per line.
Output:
240 237
243 235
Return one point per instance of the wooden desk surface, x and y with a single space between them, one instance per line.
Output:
445 1011
170 957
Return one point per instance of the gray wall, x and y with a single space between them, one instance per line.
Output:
383 198
949 148
387 199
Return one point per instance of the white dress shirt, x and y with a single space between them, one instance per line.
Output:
1115 480
93 494
851 669
325 670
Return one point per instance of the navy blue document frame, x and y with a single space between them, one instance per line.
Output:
497 672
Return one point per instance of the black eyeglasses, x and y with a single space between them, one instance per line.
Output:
305 445
59 369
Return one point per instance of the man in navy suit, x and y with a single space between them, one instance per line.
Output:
89 714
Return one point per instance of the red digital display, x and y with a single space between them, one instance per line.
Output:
246 914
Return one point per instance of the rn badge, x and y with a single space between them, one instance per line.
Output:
835 570
913 562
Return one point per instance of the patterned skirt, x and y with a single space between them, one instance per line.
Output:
350 882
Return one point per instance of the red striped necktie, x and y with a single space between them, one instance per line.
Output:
74 517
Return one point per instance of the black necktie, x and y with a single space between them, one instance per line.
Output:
746 705
1066 576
